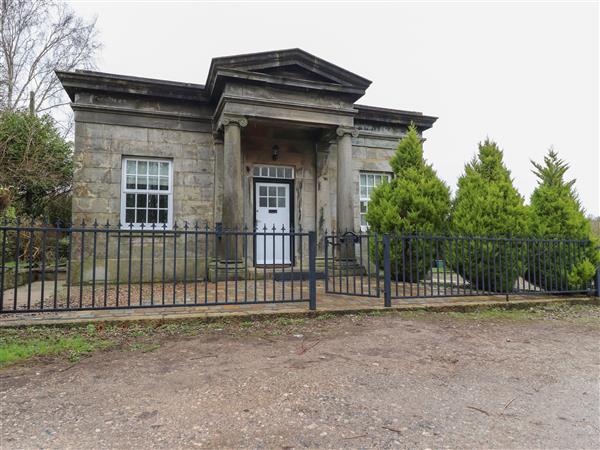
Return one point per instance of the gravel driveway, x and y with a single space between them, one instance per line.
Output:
396 380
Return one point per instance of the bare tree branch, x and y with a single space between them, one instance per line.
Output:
36 38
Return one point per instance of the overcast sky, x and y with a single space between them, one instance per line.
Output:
526 75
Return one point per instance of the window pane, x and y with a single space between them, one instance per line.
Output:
129 215
163 201
363 220
140 216
141 200
369 180
363 191
265 171
280 172
162 216
272 191
288 173
281 202
164 183
256 171
262 202
153 201
153 183
272 172
262 191
153 168
281 191
130 200
130 181
130 167
152 216
142 182
363 207
272 202
142 167
164 168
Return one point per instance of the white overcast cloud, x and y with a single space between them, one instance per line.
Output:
526 75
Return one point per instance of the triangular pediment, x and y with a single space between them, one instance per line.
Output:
296 72
292 64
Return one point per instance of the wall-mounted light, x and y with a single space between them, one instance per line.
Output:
275 152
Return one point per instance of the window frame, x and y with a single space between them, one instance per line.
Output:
274 166
124 191
367 199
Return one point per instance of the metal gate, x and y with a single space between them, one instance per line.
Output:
352 264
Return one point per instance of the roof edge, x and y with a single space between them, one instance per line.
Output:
394 116
73 81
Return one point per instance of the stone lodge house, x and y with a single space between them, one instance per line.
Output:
272 139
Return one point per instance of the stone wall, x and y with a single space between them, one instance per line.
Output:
99 152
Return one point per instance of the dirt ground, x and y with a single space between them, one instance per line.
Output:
412 380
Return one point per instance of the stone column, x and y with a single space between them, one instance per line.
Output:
219 175
345 180
345 188
232 211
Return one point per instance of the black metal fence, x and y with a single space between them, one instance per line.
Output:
414 266
55 268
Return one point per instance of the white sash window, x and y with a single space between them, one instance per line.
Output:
368 181
147 193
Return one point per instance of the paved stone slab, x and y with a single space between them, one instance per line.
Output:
326 303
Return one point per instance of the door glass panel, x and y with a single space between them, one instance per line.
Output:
281 202
272 191
262 191
281 191
262 202
272 202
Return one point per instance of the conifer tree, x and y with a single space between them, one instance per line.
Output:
487 204
414 201
556 213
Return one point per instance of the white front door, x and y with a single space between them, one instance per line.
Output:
272 202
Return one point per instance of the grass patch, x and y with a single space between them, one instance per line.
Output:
287 321
325 316
13 351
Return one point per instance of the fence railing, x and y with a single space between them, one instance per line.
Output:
53 268
420 266
57 268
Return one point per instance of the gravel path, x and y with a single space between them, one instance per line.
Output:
413 381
